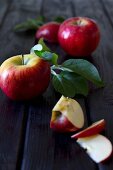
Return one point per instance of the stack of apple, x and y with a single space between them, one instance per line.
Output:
67 116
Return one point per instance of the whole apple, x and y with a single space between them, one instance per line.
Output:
24 78
79 36
49 32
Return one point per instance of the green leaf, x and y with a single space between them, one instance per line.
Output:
30 24
38 53
80 83
59 19
69 84
63 86
85 69
48 56
52 57
45 48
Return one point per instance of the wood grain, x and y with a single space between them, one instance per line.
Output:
11 118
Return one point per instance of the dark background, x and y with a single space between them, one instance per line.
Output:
26 140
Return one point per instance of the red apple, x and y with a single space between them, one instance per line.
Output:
49 32
24 81
67 115
91 130
79 36
98 147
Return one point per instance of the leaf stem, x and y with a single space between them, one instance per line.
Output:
60 67
53 72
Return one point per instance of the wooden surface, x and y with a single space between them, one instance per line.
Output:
26 140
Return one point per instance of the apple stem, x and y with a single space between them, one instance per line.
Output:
22 59
79 22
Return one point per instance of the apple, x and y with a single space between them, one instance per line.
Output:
20 81
98 147
79 36
91 130
67 115
49 32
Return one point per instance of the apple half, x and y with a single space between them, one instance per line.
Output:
94 129
98 147
67 115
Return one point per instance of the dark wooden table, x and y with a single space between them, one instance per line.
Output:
26 140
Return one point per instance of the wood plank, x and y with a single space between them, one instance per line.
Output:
13 43
29 6
4 5
11 118
45 149
100 101
13 115
108 9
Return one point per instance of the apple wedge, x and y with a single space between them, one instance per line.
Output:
98 147
91 130
67 115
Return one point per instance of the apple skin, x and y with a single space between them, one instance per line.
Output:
94 129
79 36
23 82
49 32
61 124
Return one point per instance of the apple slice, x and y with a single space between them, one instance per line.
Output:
91 130
67 115
98 147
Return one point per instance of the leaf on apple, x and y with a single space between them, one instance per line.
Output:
42 51
40 47
85 69
45 48
69 84
48 56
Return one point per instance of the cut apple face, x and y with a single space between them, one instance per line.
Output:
98 147
67 115
94 129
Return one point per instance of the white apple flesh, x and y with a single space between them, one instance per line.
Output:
98 147
67 115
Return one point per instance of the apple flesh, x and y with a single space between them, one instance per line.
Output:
67 115
98 147
21 81
79 36
49 32
91 130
